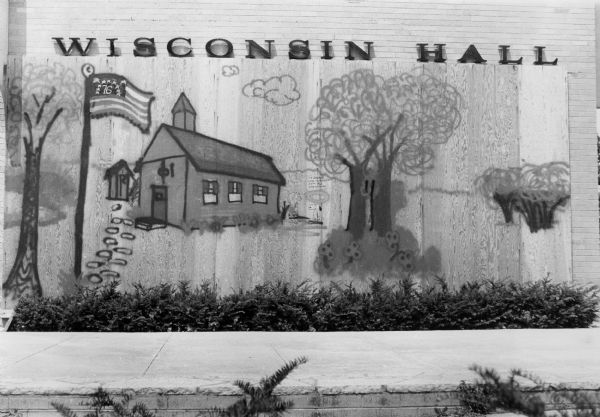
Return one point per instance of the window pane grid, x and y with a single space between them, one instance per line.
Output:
260 194
235 191
210 191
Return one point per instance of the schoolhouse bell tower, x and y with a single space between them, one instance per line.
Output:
184 115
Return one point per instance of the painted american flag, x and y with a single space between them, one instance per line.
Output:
114 95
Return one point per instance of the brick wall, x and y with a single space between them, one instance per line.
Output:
395 26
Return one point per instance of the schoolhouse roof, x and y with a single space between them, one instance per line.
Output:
183 105
207 154
113 170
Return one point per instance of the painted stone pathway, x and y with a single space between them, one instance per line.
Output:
119 233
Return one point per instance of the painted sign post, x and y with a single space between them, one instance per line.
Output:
105 95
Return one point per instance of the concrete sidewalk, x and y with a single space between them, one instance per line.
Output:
339 363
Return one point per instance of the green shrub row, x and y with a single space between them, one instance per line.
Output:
285 307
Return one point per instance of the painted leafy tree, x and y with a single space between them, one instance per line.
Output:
369 126
535 191
51 100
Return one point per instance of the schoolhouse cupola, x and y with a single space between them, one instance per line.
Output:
184 115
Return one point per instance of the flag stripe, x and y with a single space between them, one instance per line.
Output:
104 103
108 108
117 101
135 93
111 110
144 124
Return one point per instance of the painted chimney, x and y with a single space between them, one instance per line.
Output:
184 115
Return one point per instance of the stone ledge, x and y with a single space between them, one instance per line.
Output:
310 401
158 387
6 317
348 374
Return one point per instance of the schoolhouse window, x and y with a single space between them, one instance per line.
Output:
235 191
210 192
260 194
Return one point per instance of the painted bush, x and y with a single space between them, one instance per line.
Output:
395 253
534 191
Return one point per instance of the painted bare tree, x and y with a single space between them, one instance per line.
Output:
51 100
369 126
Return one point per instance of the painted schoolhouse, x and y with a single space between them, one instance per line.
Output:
187 176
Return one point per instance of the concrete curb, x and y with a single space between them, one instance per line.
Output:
6 317
366 374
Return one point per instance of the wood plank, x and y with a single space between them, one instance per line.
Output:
543 128
441 210
445 185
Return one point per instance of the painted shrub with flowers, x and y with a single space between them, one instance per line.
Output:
397 251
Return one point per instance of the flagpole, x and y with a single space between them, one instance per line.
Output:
86 142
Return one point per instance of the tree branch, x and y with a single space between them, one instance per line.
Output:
349 147
368 139
46 101
372 143
48 127
394 150
398 147
28 148
344 160
398 121
384 150
28 144
393 131
374 146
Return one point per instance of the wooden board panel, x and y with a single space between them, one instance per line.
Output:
454 122
470 236
544 139
2 171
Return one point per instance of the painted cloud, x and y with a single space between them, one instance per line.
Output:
230 70
280 91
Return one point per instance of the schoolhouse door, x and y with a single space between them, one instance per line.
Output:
122 187
159 202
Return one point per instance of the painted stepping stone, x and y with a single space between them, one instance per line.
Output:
107 273
116 207
128 222
94 264
116 220
111 230
111 241
118 261
123 251
104 254
94 278
128 236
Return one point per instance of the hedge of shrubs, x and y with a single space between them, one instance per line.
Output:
286 307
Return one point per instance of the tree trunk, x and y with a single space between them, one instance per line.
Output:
382 202
357 216
506 203
24 276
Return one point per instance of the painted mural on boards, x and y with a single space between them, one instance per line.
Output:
186 176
